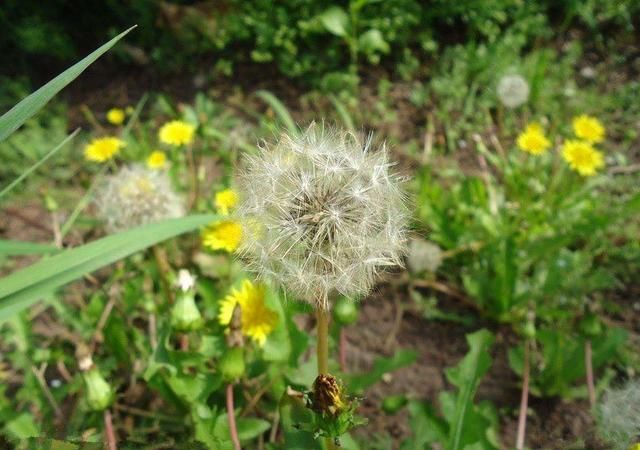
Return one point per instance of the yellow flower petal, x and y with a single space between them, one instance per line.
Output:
582 157
257 320
588 128
532 140
103 149
223 235
226 200
176 133
115 116
156 160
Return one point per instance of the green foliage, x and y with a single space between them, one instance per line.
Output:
462 423
560 361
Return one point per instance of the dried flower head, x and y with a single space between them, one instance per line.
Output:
619 415
136 195
423 256
322 214
513 90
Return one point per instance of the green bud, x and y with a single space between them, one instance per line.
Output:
185 315
394 403
232 364
345 311
99 393
590 325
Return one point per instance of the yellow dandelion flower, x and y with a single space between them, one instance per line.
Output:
222 235
588 128
582 157
176 132
257 320
532 140
103 149
635 447
156 160
225 201
115 116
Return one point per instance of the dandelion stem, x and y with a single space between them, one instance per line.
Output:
164 268
524 400
588 360
323 340
233 430
110 435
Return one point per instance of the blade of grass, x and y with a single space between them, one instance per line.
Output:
18 248
25 287
281 111
19 114
342 112
30 170
134 117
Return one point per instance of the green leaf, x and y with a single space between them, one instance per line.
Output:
25 287
16 116
467 376
427 427
402 358
335 20
281 111
17 248
22 427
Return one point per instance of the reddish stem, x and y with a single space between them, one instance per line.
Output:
524 400
588 360
110 435
342 350
233 430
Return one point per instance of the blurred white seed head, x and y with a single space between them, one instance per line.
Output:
136 195
423 256
619 415
322 213
513 90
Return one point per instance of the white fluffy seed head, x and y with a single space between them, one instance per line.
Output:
423 256
136 195
322 213
513 90
619 415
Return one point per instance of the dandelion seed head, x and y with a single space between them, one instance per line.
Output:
619 415
323 214
513 90
137 195
423 256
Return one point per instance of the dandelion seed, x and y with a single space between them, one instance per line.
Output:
222 235
513 90
115 116
225 201
423 256
103 149
156 160
582 157
619 415
532 140
136 196
176 133
588 128
324 214
257 320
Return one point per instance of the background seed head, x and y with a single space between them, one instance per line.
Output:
322 213
513 90
136 195
619 415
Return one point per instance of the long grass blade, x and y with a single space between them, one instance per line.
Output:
19 114
34 167
281 111
25 287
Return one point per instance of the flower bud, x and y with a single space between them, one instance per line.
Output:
99 393
232 364
345 311
327 395
185 315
